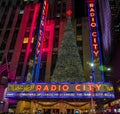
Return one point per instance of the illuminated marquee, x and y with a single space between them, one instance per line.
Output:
60 90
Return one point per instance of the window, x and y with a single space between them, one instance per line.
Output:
12 45
29 22
24 46
79 43
19 20
27 34
9 56
79 30
55 42
22 57
18 2
9 3
3 20
6 35
56 32
54 58
21 11
1 54
0 32
3 4
57 21
42 71
44 56
3 45
19 69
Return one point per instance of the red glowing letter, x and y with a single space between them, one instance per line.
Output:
77 87
38 88
65 87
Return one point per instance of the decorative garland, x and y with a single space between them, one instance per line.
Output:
73 105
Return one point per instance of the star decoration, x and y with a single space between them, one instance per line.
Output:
69 12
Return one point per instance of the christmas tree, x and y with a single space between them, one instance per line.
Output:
68 65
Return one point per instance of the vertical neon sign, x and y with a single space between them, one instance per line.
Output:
38 55
94 42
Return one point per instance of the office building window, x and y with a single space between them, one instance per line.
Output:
6 10
79 30
24 45
79 43
27 33
55 42
57 21
19 69
6 35
18 2
1 54
9 3
3 20
3 45
4 42
56 32
9 56
22 57
19 20
42 71
21 11
29 22
12 45
44 56
3 4
54 58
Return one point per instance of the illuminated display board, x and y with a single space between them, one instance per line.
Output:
60 90
94 40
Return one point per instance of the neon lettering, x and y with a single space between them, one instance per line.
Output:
90 87
53 87
46 88
95 46
94 34
96 53
91 5
93 24
77 87
65 87
98 87
38 88
92 14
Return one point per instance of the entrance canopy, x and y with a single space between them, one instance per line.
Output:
60 90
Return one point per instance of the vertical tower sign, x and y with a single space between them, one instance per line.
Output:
94 42
36 68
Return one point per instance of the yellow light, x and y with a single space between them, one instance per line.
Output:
79 37
25 41
118 88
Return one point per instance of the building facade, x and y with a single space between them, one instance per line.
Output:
31 34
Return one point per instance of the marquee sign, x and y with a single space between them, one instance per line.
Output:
60 90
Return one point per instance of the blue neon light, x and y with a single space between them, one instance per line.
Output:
36 67
94 29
